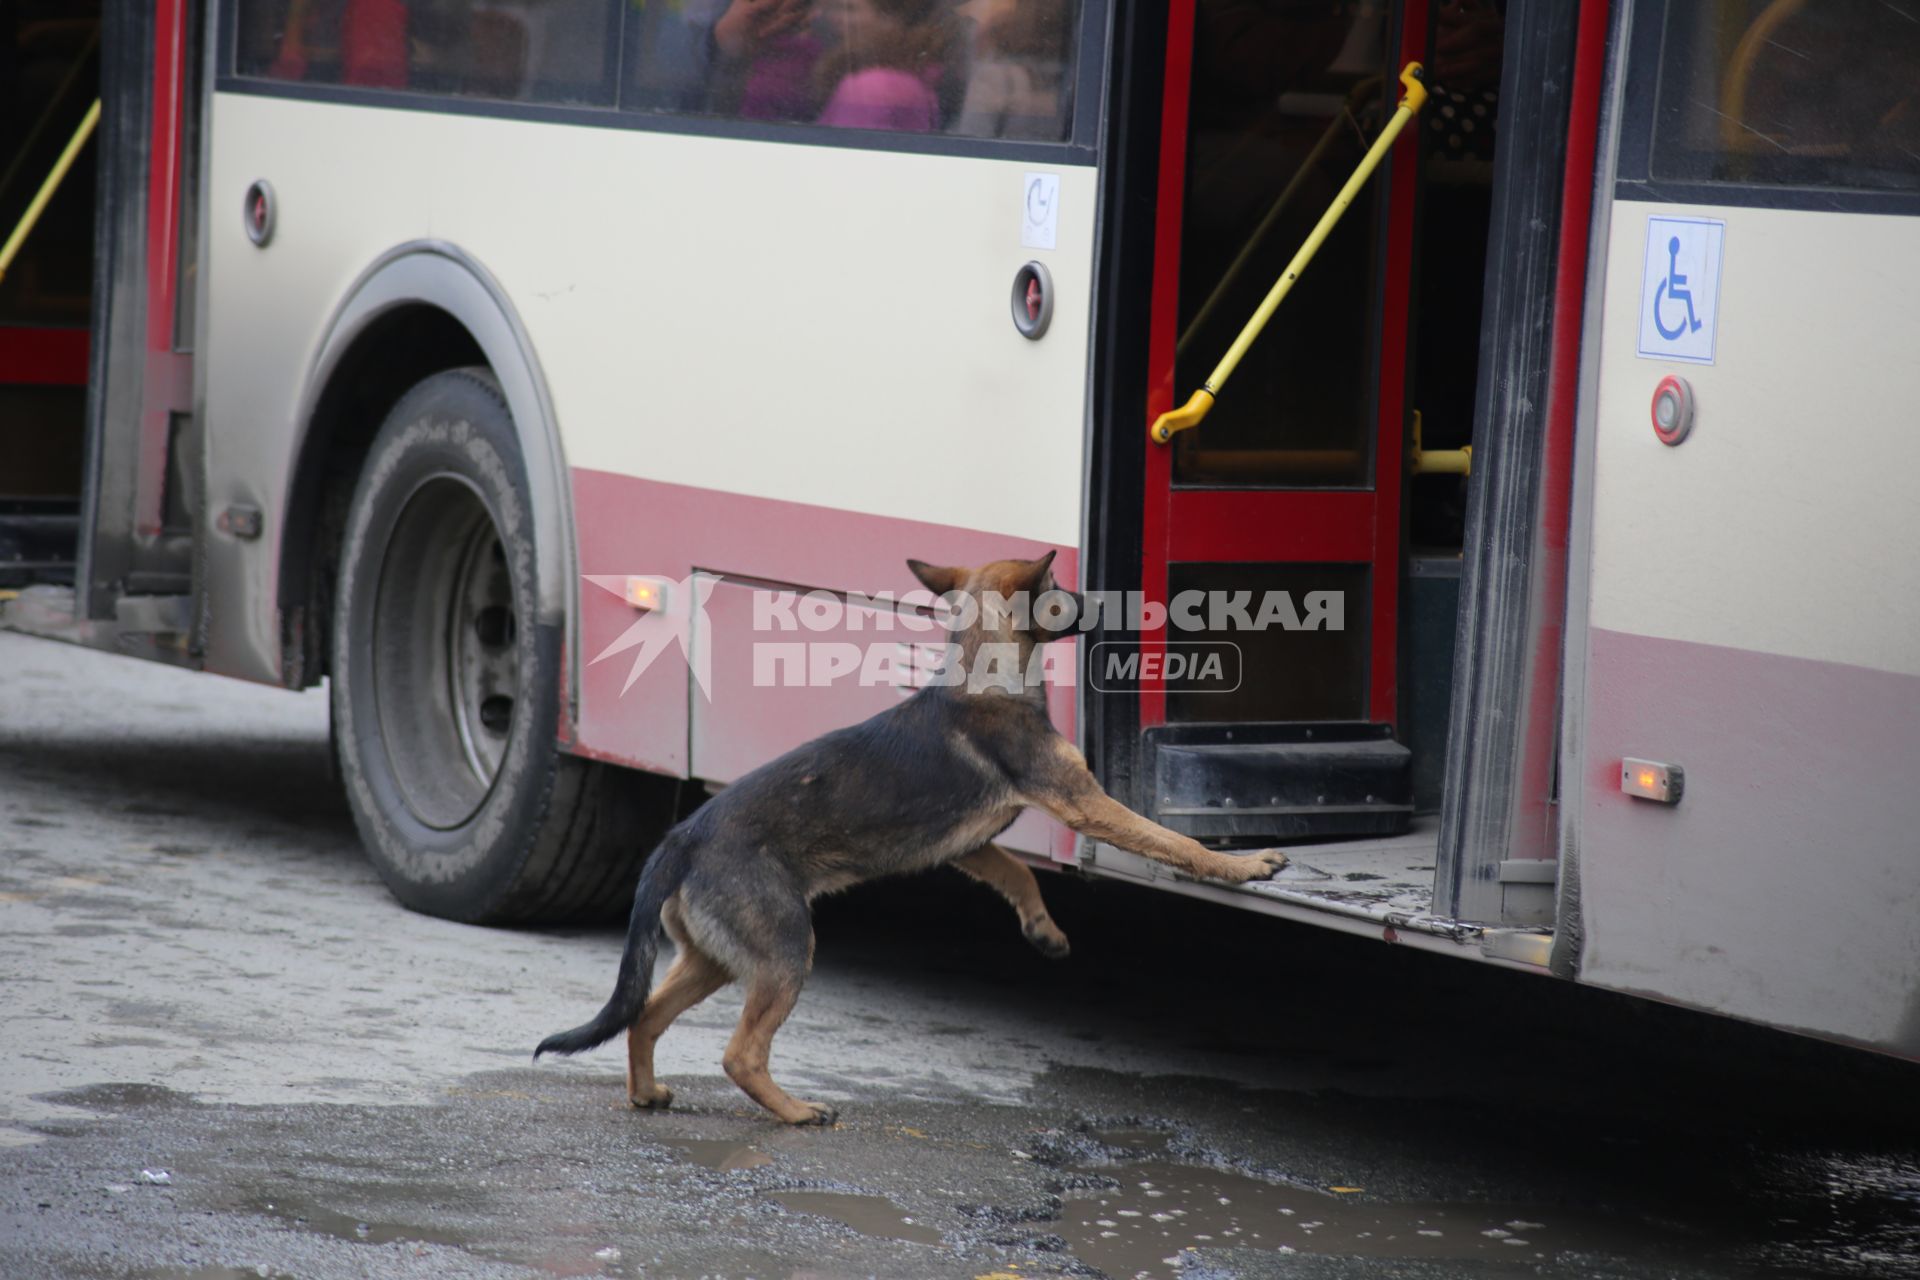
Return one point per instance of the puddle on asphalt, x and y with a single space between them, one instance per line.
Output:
723 1156
1855 1214
1161 1207
345 1226
869 1215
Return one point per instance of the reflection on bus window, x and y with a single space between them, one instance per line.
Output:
983 69
557 51
1791 93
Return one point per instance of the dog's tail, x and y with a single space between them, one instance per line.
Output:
664 872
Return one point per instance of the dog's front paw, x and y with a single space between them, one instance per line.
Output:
1240 868
659 1100
1047 939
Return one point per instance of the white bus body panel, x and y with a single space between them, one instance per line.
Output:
1755 619
818 337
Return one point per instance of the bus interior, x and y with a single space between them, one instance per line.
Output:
49 77
1262 167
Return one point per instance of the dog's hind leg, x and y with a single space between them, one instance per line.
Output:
693 977
770 998
1013 880
749 912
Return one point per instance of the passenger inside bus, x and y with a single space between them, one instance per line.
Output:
892 64
979 68
989 68
763 55
1017 82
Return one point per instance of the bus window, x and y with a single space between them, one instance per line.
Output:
1790 93
1019 84
986 69
556 51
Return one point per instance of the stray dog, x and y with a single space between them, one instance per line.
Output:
924 784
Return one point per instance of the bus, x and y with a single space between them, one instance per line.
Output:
566 384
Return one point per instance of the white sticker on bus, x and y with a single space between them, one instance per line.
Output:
1040 211
1680 289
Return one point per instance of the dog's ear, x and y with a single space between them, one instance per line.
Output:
936 578
1034 577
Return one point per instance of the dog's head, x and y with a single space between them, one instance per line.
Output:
1007 600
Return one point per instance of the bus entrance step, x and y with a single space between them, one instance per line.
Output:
1246 785
38 538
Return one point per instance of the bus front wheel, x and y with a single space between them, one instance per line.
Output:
446 687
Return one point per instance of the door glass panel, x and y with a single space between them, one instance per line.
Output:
49 76
1309 660
1285 101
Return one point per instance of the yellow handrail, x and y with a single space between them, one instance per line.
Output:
1449 462
47 188
1196 408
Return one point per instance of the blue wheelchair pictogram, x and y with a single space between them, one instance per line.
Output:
1674 287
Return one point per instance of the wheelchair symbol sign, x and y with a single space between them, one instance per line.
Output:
1680 289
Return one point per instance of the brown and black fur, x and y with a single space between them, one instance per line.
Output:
928 783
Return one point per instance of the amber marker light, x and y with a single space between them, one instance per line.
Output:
1652 780
647 594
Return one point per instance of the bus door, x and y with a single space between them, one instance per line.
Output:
99 132
1269 693
137 521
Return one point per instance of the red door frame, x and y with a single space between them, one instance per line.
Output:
168 385
1267 525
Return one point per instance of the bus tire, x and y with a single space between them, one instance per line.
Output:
446 691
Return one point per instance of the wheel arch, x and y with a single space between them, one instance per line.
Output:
420 308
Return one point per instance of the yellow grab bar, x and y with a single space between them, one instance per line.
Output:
1196 408
1450 462
47 188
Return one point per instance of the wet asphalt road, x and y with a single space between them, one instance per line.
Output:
228 1053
